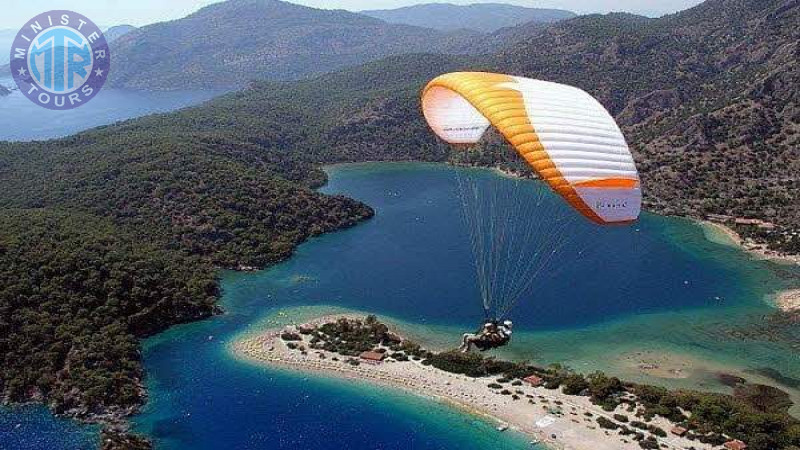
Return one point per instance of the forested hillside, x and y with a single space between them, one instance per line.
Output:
233 42
706 97
115 234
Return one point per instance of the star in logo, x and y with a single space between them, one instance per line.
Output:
98 72
22 71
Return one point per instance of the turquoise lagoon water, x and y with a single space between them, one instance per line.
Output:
659 288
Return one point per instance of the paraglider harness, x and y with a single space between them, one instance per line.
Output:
491 338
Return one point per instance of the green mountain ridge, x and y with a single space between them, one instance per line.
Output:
481 17
234 42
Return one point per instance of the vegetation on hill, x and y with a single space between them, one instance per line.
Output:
706 98
673 83
120 229
711 115
233 42
483 17
115 234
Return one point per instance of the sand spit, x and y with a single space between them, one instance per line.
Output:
789 301
548 416
760 251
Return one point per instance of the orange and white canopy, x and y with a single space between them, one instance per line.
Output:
565 135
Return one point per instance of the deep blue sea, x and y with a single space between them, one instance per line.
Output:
660 286
22 120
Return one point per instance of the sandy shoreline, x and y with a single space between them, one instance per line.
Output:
547 416
760 251
789 301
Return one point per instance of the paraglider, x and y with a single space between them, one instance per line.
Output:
568 140
492 335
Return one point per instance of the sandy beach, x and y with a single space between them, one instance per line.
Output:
760 251
546 415
789 301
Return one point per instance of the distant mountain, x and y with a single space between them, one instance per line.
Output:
237 41
483 17
116 32
6 39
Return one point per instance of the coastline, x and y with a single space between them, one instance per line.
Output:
548 416
788 300
729 236
759 251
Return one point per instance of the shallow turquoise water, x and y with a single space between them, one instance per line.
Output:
664 289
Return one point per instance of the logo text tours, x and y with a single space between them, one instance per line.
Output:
60 59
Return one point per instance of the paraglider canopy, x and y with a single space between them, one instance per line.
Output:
563 133
569 141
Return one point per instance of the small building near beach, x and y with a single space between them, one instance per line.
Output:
735 445
534 380
679 431
371 357
306 328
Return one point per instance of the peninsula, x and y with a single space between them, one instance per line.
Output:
553 405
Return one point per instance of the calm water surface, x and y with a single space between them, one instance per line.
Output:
658 287
22 120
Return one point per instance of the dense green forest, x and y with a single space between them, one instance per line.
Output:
117 233
76 293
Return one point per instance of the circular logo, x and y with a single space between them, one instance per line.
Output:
60 59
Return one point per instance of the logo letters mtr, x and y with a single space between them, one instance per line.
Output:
60 60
